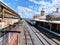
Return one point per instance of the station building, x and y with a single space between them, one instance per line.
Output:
41 16
50 21
54 16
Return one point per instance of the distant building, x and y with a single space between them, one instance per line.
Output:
41 16
36 16
54 15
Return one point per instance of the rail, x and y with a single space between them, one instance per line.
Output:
45 37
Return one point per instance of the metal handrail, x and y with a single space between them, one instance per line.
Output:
12 31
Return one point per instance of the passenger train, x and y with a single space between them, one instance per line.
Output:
33 23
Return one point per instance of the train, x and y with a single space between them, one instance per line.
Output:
31 22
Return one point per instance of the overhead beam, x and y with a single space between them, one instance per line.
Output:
9 31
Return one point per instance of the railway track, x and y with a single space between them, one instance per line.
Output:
51 36
44 40
28 38
41 37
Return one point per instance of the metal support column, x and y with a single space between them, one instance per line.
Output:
57 26
50 25
44 24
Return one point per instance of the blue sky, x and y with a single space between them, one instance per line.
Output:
29 8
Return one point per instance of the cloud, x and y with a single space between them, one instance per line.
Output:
25 12
29 12
34 1
14 3
31 7
48 6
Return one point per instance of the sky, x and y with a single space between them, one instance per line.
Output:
29 8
